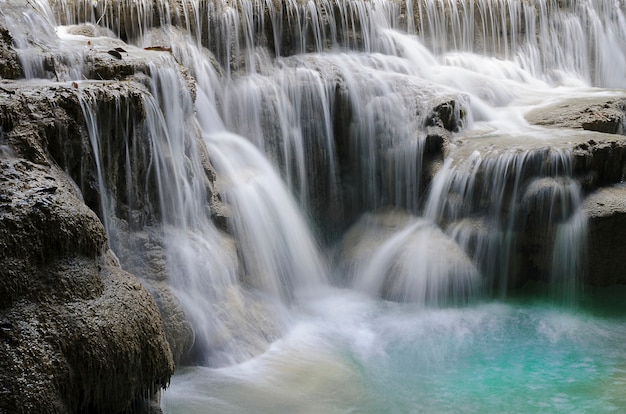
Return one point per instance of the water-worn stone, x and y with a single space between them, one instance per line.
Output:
87 353
397 257
80 334
77 333
606 212
9 63
600 161
602 114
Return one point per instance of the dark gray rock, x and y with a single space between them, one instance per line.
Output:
9 63
606 211
600 161
77 333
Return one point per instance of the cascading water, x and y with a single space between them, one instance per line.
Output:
385 198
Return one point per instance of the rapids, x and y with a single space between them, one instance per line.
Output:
360 272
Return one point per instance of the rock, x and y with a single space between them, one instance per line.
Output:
10 67
602 114
398 258
37 227
600 161
77 333
606 212
84 354
178 329
449 115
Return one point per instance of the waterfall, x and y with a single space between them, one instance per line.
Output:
293 170
529 189
315 113
348 201
557 40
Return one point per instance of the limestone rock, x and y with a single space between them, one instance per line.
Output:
602 114
9 64
398 257
178 329
84 354
606 211
600 161
77 333
40 221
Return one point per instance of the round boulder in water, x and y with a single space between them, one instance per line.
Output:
403 258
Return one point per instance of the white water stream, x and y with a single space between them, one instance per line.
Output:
347 283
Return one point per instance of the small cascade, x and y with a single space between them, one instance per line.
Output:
554 40
279 257
307 115
33 32
500 204
163 166
127 19
287 114
399 258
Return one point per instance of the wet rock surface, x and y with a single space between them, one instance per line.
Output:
77 333
9 64
602 114
539 183
600 161
606 212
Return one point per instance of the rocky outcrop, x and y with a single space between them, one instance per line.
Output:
398 257
77 333
606 212
600 161
511 200
9 63
602 114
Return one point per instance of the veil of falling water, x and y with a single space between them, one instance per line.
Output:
356 258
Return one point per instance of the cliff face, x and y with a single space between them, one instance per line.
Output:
77 333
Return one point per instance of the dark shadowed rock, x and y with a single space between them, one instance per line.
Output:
600 161
9 63
80 334
449 115
77 333
606 211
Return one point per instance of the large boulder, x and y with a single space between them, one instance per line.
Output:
606 212
398 257
77 333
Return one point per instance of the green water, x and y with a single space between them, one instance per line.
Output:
349 354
